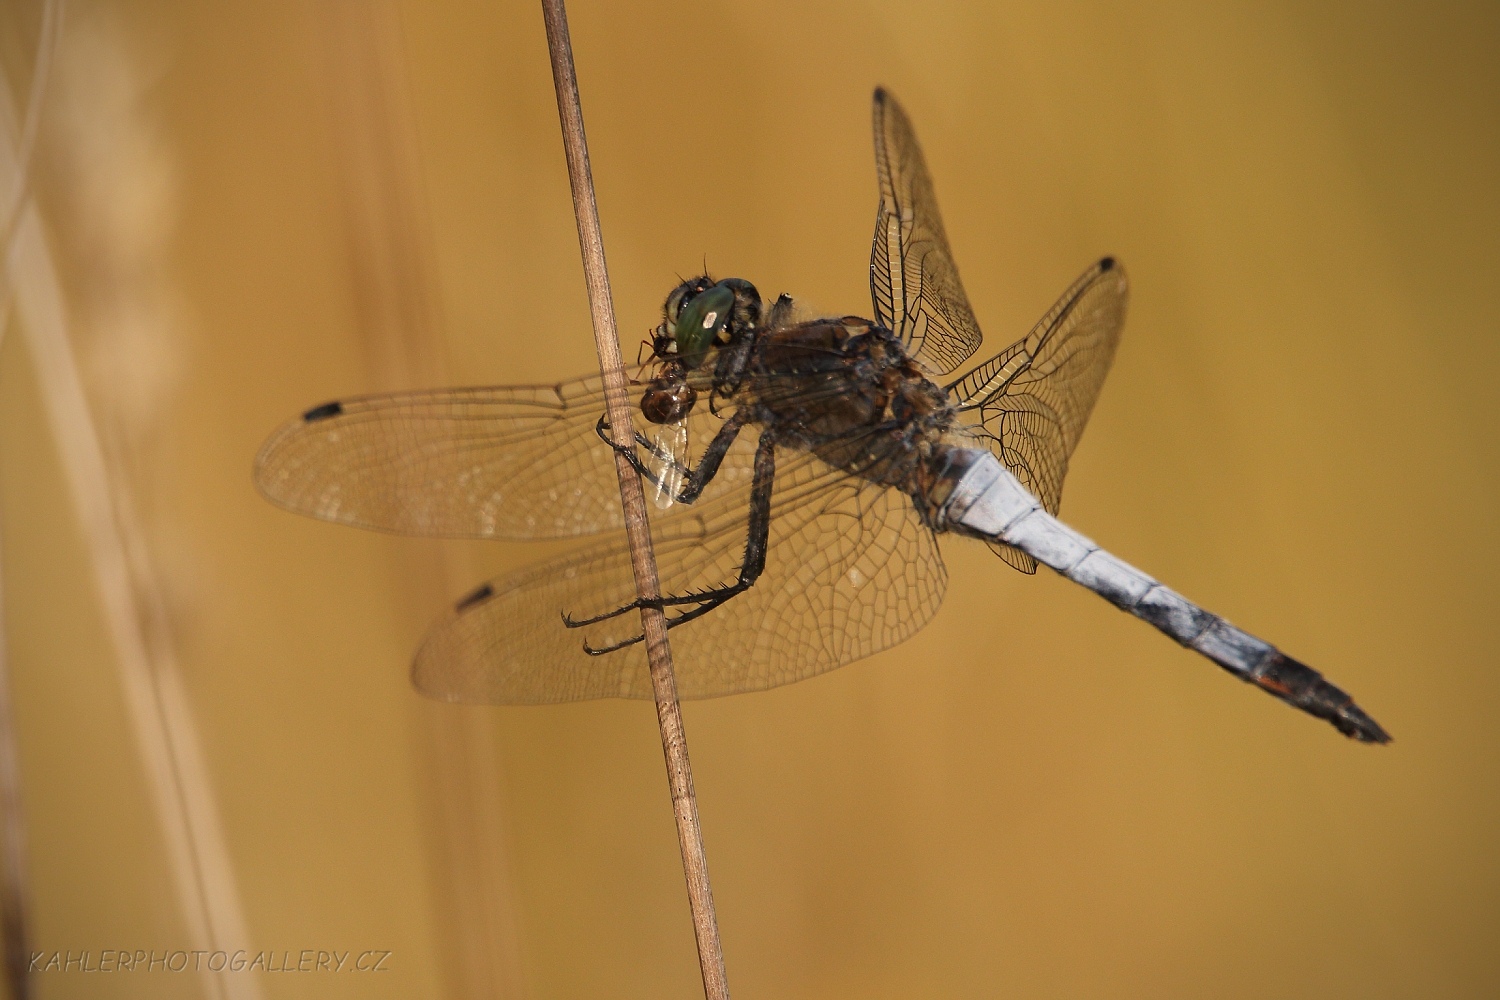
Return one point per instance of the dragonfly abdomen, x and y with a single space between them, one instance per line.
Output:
987 501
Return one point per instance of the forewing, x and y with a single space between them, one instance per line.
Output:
497 462
913 280
1034 397
850 570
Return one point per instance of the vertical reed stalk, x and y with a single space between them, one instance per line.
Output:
637 529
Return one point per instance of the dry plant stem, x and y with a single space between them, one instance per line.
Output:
642 560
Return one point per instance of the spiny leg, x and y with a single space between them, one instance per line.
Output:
713 456
602 428
758 535
671 600
697 477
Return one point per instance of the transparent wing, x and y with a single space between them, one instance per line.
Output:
507 462
498 462
850 570
668 459
913 280
1034 397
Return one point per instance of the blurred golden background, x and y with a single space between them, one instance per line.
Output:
237 210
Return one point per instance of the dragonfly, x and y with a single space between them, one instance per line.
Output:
803 469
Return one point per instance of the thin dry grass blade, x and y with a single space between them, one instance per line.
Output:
157 705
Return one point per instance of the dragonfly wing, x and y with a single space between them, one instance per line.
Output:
850 570
505 461
1034 397
913 280
522 462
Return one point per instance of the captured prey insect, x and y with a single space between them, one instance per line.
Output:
804 535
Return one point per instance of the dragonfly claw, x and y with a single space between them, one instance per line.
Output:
591 651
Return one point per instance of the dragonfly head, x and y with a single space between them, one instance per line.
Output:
701 316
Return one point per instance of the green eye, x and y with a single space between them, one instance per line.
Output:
699 322
674 309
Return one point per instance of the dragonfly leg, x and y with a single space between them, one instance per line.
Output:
708 466
654 478
729 373
603 430
671 600
757 537
697 477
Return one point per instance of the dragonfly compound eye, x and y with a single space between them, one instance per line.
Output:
672 308
699 323
667 401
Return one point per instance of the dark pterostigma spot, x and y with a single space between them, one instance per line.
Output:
1107 264
323 412
479 596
